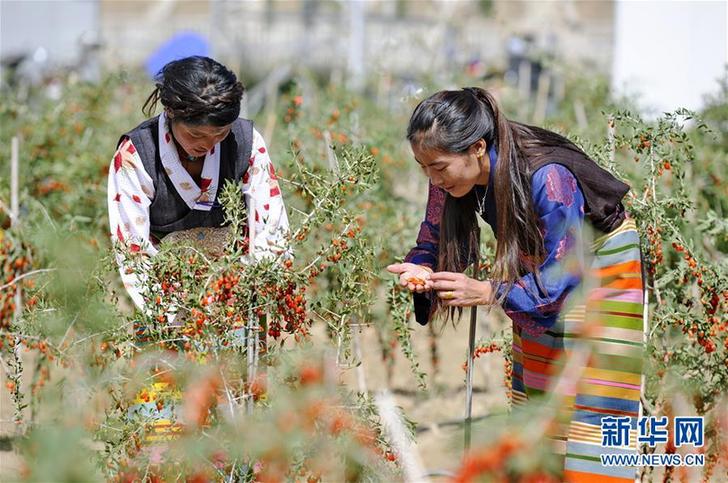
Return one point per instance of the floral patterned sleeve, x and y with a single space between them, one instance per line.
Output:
559 203
129 194
265 203
426 251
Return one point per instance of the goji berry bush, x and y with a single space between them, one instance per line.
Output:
76 357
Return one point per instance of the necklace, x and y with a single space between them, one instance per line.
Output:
188 158
481 201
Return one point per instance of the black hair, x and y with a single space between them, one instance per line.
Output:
198 91
452 121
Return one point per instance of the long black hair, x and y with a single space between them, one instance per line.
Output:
198 91
452 121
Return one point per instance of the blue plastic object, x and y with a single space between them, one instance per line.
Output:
179 46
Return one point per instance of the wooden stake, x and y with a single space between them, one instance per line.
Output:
524 87
271 99
14 203
406 451
360 373
580 115
14 220
330 153
542 97
15 211
611 135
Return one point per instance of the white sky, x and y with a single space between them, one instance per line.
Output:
671 52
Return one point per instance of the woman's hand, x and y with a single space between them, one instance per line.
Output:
414 277
459 290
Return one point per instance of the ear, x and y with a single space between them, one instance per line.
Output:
478 148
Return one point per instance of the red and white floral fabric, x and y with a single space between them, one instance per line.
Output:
131 191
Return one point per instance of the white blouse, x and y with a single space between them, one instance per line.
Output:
131 191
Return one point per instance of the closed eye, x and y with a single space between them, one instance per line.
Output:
438 170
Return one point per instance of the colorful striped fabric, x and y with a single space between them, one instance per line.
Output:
157 407
612 323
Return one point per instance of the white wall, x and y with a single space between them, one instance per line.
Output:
57 26
669 52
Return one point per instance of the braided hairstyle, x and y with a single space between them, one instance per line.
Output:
197 91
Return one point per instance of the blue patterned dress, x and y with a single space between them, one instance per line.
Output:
610 318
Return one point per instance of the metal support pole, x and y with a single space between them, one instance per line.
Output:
469 377
251 328
469 374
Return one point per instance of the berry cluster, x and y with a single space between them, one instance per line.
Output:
16 262
711 300
502 461
654 239
291 307
507 362
293 111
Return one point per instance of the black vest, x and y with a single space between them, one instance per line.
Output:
603 192
168 211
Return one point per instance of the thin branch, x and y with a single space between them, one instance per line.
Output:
26 274
68 330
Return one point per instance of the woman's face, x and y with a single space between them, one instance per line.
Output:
198 140
456 173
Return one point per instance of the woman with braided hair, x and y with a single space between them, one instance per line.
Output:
167 172
538 192
166 177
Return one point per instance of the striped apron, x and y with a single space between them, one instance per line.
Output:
613 323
